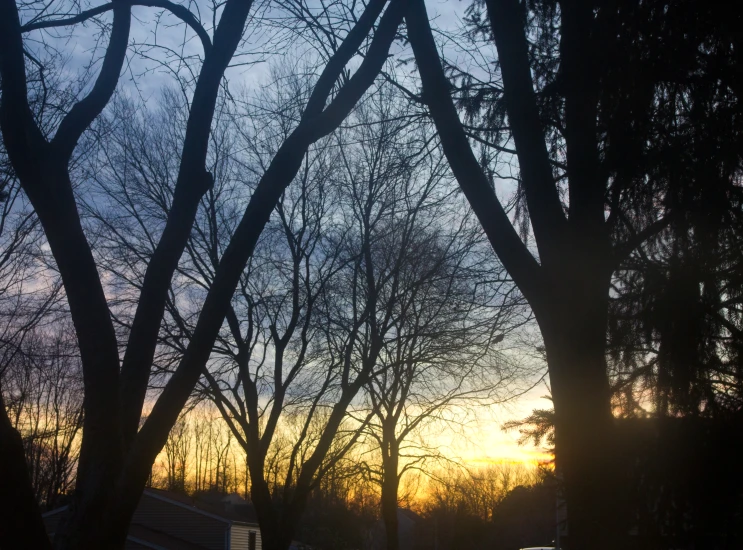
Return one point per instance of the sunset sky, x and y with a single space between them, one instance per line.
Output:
481 441
486 442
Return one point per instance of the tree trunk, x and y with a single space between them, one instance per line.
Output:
21 525
573 324
100 517
101 454
93 523
260 495
389 511
569 288
390 485
277 531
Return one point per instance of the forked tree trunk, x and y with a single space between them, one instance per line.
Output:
260 495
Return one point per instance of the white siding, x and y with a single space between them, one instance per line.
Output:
240 537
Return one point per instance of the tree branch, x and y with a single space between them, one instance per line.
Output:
545 208
342 56
503 237
86 110
623 250
181 12
193 181
363 78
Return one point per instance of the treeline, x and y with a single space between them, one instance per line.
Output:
451 504
496 506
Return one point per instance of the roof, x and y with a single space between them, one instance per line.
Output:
225 509
158 540
207 505
408 514
54 512
138 534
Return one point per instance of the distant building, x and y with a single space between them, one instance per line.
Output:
409 525
165 520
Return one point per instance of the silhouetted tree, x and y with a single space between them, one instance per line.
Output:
177 450
116 457
589 105
444 305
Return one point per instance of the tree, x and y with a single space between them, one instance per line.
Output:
443 302
595 174
116 457
177 451
263 365
289 351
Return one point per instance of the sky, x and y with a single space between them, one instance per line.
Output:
150 67
483 441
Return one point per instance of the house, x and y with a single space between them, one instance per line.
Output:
409 526
165 520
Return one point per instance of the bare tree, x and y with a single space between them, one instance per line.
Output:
116 458
177 451
265 372
439 363
442 302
